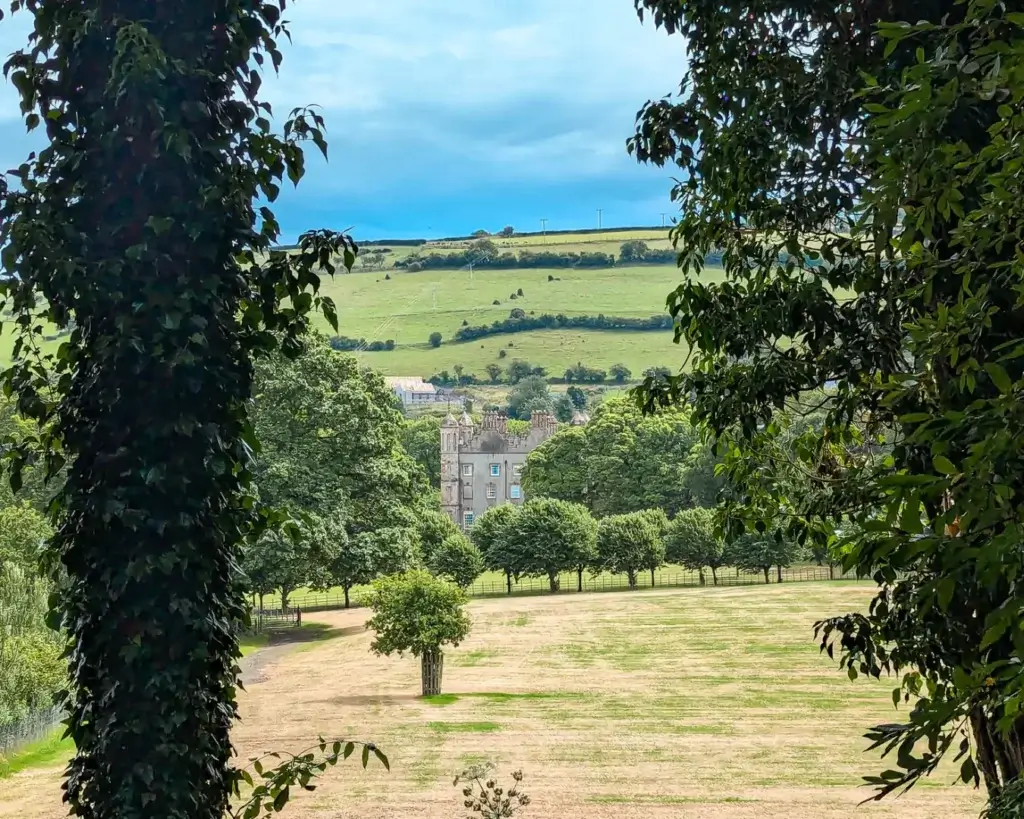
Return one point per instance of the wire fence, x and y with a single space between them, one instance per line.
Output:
35 726
263 620
570 583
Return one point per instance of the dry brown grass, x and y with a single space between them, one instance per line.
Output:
696 703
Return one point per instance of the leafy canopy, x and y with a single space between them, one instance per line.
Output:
416 612
859 175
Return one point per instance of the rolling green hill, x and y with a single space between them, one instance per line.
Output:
409 306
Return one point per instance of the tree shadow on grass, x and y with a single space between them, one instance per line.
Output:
359 700
312 633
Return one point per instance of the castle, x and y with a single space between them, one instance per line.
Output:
482 465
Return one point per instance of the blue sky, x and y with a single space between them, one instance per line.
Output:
447 117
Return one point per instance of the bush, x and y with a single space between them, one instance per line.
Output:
435 339
502 353
620 373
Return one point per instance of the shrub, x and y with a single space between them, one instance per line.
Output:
519 292
496 301
519 322
412 267
435 339
502 353
620 373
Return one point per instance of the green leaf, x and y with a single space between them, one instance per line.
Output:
944 465
366 755
380 755
281 799
349 748
999 377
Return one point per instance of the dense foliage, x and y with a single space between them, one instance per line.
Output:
421 439
136 228
622 461
492 259
889 149
691 542
491 534
547 537
457 560
346 344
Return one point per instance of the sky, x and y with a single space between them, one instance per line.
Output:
444 118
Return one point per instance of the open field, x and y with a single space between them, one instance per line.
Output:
709 703
410 306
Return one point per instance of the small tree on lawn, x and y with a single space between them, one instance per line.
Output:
435 339
491 534
368 555
418 613
626 544
457 560
552 536
434 528
691 542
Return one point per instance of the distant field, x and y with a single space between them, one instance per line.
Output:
411 306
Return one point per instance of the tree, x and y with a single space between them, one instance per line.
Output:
692 544
494 372
564 409
551 536
491 534
434 529
507 232
417 613
518 370
23 534
872 172
620 373
558 468
627 544
756 552
421 439
294 555
528 396
368 555
633 251
457 560
157 150
435 339
656 557
578 397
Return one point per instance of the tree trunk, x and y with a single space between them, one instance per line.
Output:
261 600
766 570
508 581
631 578
831 571
652 577
431 667
346 596
285 591
778 570
554 580
700 576
579 578
714 575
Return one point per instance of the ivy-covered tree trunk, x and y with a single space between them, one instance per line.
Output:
135 228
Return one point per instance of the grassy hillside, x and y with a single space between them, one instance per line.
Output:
410 306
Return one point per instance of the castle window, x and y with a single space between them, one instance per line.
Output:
467 470
515 492
492 490
517 470
467 519
467 491
495 470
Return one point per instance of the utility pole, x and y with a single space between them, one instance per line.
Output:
599 212
544 226
663 220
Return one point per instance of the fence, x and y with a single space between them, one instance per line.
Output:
263 619
569 583
35 726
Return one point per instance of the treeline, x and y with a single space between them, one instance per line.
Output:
505 261
524 323
346 344
519 370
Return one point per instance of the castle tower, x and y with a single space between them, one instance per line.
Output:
450 469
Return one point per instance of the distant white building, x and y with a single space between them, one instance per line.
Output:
413 392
